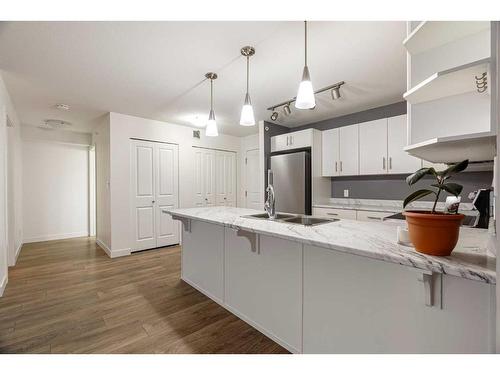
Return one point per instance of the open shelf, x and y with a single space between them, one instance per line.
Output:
454 81
452 149
431 34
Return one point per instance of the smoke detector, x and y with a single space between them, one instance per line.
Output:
63 107
55 124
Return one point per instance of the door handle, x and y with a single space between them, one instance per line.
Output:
152 201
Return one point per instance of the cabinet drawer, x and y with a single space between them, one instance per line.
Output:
371 215
334 213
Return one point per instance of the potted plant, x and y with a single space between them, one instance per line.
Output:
431 232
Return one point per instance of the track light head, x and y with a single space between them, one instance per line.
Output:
335 92
274 116
286 109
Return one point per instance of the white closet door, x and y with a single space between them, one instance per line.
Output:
142 175
220 178
208 170
230 175
252 178
167 193
399 161
373 147
199 195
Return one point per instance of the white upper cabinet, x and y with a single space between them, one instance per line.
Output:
331 152
349 150
398 160
290 141
373 147
341 151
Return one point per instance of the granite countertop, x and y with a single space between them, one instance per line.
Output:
382 205
470 259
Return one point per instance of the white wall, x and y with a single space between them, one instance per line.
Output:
101 142
55 194
10 184
124 127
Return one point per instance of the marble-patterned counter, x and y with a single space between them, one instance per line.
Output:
470 259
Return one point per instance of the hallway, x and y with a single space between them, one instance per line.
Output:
68 296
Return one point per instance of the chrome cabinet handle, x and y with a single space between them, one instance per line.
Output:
383 163
332 214
374 218
335 166
341 165
291 140
390 162
287 140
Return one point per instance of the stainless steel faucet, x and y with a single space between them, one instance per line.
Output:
269 206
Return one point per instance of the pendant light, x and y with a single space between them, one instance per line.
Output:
211 130
247 118
305 95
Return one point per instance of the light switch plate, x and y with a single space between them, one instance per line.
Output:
346 193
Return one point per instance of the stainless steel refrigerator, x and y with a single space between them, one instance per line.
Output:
292 182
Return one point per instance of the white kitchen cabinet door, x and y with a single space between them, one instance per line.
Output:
167 193
399 161
280 142
264 285
373 147
300 139
349 150
154 186
330 152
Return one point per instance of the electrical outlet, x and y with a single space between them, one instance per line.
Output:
346 193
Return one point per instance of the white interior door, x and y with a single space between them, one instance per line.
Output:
167 193
252 178
142 175
399 160
225 173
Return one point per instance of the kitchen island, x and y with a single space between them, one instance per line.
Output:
341 287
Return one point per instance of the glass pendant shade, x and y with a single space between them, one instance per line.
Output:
211 129
305 95
247 118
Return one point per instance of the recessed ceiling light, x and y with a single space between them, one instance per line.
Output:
63 107
53 123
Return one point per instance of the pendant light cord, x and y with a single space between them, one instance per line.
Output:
305 43
211 94
248 71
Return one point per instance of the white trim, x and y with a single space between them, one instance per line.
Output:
52 237
112 253
16 255
3 285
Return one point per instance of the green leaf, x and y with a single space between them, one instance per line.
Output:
411 179
417 195
454 168
450 187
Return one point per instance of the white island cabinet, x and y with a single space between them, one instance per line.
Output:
342 287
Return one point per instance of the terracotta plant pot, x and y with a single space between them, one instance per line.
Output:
433 233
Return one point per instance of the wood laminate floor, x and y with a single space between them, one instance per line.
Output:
67 296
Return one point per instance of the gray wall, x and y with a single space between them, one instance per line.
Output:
395 187
374 187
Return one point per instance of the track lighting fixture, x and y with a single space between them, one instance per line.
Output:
305 95
211 130
335 92
247 117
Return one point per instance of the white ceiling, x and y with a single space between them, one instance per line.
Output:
156 69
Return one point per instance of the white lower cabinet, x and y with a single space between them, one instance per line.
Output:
203 258
264 285
334 213
358 305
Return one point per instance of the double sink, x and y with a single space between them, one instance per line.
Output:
292 219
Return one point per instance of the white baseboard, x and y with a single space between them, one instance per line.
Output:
16 255
3 284
112 253
52 237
